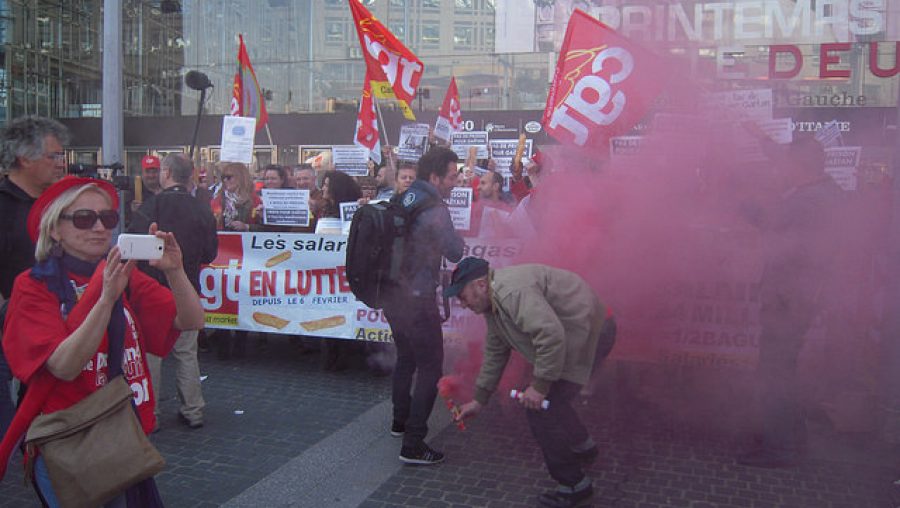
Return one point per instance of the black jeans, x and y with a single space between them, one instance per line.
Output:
7 408
416 328
785 317
557 429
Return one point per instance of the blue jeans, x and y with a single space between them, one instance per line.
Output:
42 479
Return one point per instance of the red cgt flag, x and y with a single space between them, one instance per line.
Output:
603 85
366 124
449 118
395 70
246 97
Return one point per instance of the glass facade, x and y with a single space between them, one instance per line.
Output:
51 56
502 52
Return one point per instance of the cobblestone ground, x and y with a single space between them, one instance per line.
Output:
645 462
288 404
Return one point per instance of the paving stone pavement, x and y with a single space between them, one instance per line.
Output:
645 462
288 405
296 417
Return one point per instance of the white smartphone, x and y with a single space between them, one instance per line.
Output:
140 247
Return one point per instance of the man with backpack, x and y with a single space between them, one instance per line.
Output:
412 309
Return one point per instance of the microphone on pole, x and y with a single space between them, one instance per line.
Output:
197 80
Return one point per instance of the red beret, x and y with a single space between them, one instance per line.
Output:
55 190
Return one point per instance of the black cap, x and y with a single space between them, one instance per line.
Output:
466 271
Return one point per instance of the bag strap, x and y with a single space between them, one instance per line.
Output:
445 282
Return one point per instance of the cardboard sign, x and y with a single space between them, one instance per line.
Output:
285 207
413 141
503 151
351 159
460 205
842 163
238 133
460 142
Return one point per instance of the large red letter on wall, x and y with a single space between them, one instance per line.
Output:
774 73
873 61
826 59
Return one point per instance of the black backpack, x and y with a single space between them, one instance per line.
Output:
378 234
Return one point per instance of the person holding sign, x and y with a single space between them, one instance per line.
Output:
557 323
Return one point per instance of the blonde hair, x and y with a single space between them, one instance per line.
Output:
50 217
245 183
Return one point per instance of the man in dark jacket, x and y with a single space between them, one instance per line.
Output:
191 220
413 314
31 151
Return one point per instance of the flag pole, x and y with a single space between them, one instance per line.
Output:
383 132
269 134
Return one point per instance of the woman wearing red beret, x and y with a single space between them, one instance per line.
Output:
80 308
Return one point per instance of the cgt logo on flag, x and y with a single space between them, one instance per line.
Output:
603 85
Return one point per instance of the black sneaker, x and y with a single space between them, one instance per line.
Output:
397 429
422 455
557 499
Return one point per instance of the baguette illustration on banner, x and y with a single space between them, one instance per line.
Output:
321 324
277 259
270 320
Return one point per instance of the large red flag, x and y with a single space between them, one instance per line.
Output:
449 118
395 70
367 124
246 97
603 85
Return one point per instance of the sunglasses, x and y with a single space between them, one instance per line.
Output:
85 219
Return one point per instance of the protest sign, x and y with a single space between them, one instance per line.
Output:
830 135
737 105
347 210
238 133
413 141
460 142
842 163
285 207
460 205
350 159
503 151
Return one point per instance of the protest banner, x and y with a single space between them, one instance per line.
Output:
707 313
291 283
461 142
503 151
460 205
842 163
285 207
413 141
350 159
238 133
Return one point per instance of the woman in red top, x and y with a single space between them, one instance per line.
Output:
81 302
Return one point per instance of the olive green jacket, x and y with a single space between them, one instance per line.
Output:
550 316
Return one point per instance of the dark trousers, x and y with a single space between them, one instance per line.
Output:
416 328
7 408
785 317
557 429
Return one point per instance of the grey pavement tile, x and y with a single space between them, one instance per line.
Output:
288 403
